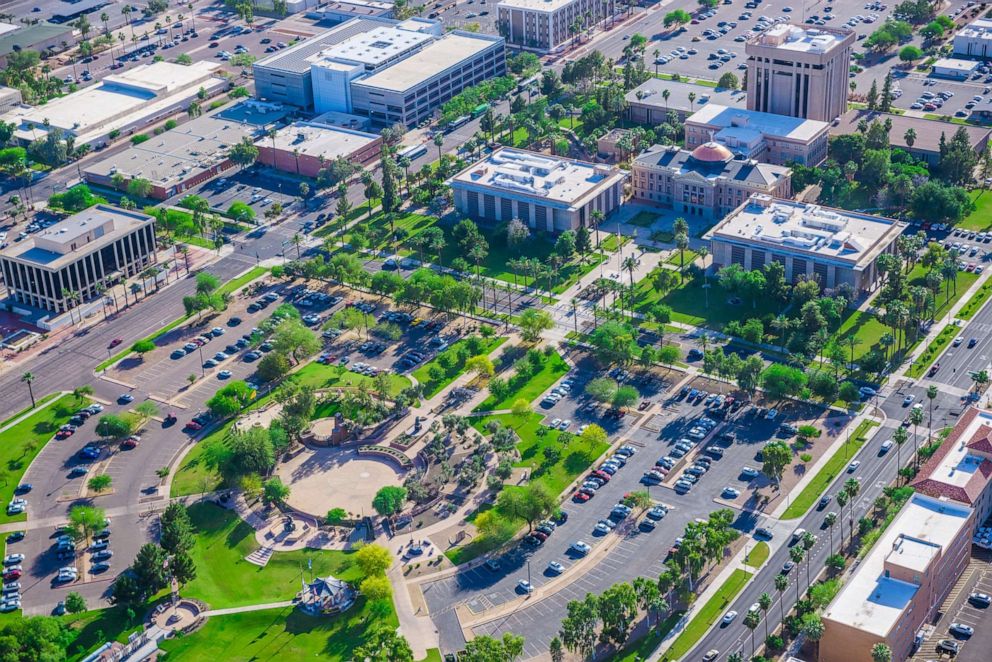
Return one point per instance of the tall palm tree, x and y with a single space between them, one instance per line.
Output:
781 583
830 520
765 602
932 393
916 417
900 436
751 622
807 542
629 264
852 487
812 628
797 553
27 378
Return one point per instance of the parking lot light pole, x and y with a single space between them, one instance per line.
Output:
203 371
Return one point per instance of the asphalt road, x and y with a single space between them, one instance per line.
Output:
957 362
876 471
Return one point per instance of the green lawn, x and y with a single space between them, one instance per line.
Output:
946 299
412 224
19 444
644 219
39 402
93 628
642 648
277 634
331 227
828 472
230 286
757 556
707 616
529 387
923 362
677 258
611 244
689 304
433 655
197 473
431 386
975 303
575 457
539 246
224 579
865 328
979 220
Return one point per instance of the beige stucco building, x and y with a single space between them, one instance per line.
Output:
797 71
765 137
546 25
707 182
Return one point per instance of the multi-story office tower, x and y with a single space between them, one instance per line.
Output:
76 257
548 25
802 72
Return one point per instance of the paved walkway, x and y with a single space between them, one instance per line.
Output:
241 610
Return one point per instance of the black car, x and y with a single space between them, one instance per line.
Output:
16 536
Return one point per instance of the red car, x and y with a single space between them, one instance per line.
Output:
580 497
539 535
63 434
193 425
933 369
11 574
115 342
129 443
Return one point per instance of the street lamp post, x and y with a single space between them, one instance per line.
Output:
203 371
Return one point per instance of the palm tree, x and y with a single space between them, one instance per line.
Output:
981 378
751 622
796 554
812 628
900 436
736 657
841 502
932 392
909 136
808 541
830 520
27 378
765 602
438 142
852 487
881 653
629 264
781 583
916 417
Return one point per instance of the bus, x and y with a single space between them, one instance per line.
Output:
480 110
458 122
414 152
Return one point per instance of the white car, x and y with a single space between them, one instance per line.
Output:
729 617
525 586
556 567
749 472
731 492
853 466
11 559
886 445
581 547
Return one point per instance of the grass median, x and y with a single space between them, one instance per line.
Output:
830 470
975 303
757 556
923 362
707 616
40 402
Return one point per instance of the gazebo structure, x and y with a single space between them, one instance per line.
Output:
327 595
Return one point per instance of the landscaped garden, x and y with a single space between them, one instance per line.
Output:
707 616
538 374
20 443
444 368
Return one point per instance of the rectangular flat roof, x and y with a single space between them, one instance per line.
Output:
445 53
652 94
538 175
118 97
791 37
191 147
50 247
928 132
980 28
377 46
874 603
296 58
794 226
536 5
960 469
316 139
741 119
956 64
25 37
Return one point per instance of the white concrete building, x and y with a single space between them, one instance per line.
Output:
548 193
832 246
974 40
750 134
954 68
125 102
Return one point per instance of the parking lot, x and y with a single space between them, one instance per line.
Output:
965 610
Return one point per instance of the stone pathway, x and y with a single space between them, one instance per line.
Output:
240 610
260 556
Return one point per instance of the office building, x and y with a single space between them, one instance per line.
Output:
88 250
387 71
548 193
646 103
122 103
901 583
707 182
345 10
546 25
9 98
284 76
955 69
304 148
974 40
409 91
926 144
832 246
797 71
961 469
766 137
46 38
188 155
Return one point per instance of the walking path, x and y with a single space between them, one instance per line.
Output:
243 609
